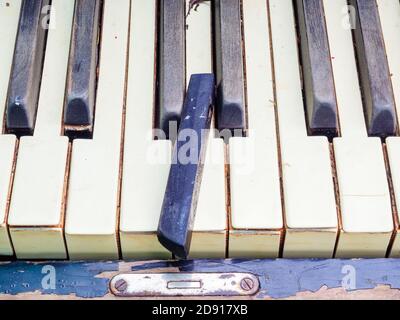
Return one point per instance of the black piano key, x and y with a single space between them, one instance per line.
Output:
374 70
180 200
82 69
229 65
319 88
172 64
24 86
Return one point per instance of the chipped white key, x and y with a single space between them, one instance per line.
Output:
389 11
256 213
365 206
9 18
146 161
210 224
36 216
309 199
91 228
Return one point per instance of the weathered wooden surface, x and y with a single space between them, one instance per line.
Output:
317 69
231 112
81 82
24 86
172 61
279 279
374 70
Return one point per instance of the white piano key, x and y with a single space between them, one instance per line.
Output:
367 223
311 218
393 152
389 11
309 198
9 17
91 228
363 189
37 203
36 227
255 190
7 150
146 161
209 230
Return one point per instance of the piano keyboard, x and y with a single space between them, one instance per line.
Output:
90 104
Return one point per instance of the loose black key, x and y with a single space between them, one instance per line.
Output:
374 70
180 200
229 62
172 68
26 73
82 69
319 88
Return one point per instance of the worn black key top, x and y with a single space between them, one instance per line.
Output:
82 69
319 88
172 69
180 200
374 70
229 61
24 86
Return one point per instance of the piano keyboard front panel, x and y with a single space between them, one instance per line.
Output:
287 185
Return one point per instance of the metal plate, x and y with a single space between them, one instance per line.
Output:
184 284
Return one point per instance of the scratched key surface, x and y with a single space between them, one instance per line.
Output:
229 65
172 56
317 70
81 82
374 70
26 71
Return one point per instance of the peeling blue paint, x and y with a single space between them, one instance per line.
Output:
278 278
77 278
284 278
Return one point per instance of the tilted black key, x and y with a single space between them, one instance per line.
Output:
180 200
374 70
24 86
229 60
171 77
319 88
82 69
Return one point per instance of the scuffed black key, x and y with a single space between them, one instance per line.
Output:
172 69
180 200
24 86
82 69
229 60
319 88
374 70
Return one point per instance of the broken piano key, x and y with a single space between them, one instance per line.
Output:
24 86
180 200
81 81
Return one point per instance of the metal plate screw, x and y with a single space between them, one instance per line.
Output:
247 284
121 285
